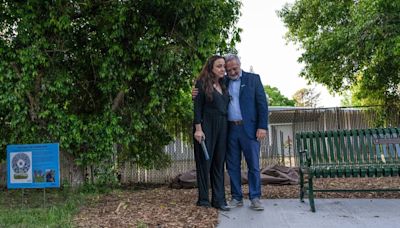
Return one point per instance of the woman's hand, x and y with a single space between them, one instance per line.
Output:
195 91
199 135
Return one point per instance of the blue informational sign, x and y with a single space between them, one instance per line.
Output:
33 166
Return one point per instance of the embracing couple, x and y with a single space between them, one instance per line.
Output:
230 117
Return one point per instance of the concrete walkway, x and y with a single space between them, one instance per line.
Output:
330 213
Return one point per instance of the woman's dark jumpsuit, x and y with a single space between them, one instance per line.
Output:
212 115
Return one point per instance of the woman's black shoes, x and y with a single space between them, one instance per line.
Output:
207 204
222 208
203 204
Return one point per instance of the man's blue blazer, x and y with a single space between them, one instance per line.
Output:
253 103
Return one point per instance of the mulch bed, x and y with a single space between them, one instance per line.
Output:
161 206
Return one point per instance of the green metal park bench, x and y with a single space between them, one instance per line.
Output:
347 153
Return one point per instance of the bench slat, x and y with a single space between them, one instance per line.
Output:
378 152
336 147
324 147
370 147
330 146
363 142
385 157
358 150
349 146
317 148
392 152
311 146
343 147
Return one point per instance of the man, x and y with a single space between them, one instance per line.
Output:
247 124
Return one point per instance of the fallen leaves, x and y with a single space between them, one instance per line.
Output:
161 206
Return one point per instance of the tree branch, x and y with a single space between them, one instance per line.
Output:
32 100
117 101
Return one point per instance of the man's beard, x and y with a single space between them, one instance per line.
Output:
234 77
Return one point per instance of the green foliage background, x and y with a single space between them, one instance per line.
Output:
276 98
348 44
105 78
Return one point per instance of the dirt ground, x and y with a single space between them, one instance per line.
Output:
161 206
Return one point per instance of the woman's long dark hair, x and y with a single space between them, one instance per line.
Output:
208 78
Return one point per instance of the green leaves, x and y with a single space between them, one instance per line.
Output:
109 80
348 43
276 98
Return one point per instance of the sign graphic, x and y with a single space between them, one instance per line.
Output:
33 166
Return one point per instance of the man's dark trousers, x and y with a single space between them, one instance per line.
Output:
239 141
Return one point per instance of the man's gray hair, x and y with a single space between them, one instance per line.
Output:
229 57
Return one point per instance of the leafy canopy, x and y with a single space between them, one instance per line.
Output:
105 78
276 98
349 43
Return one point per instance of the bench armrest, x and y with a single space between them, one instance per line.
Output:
304 160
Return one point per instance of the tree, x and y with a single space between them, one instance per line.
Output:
346 100
306 97
349 43
355 97
105 78
275 98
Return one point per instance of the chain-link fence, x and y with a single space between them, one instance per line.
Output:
279 147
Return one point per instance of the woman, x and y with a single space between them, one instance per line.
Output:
210 120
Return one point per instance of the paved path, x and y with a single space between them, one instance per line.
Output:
330 213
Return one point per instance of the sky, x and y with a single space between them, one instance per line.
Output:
264 48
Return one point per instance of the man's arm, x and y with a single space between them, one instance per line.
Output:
262 105
262 110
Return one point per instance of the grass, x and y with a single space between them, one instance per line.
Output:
51 207
35 208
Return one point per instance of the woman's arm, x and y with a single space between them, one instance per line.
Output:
199 102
